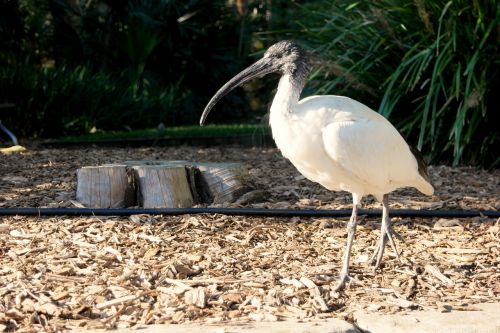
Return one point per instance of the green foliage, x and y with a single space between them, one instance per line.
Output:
432 67
60 101
162 57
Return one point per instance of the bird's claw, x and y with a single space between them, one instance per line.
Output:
343 280
398 236
376 258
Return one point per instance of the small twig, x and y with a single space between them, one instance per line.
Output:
62 278
254 230
433 270
183 283
119 300
110 318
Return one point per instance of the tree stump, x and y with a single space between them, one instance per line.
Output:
105 187
221 182
161 184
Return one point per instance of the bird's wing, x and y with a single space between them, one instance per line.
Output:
371 151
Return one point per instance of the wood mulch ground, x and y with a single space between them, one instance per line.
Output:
102 272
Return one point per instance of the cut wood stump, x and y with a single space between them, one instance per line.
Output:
160 184
221 182
105 187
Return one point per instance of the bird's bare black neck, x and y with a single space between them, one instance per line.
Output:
299 71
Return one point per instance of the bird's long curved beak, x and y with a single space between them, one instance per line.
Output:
260 68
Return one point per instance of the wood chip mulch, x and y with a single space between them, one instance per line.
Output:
63 272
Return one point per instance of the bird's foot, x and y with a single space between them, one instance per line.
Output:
376 258
390 232
344 278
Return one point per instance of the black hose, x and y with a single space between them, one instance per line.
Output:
245 212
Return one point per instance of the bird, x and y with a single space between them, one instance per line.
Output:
335 141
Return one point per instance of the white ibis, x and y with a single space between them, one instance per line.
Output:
335 141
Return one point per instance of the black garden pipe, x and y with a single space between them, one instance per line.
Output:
246 212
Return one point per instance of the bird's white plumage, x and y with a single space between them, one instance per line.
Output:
342 144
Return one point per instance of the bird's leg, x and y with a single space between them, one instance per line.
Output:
386 233
351 230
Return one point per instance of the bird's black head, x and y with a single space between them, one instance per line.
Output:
285 57
288 58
